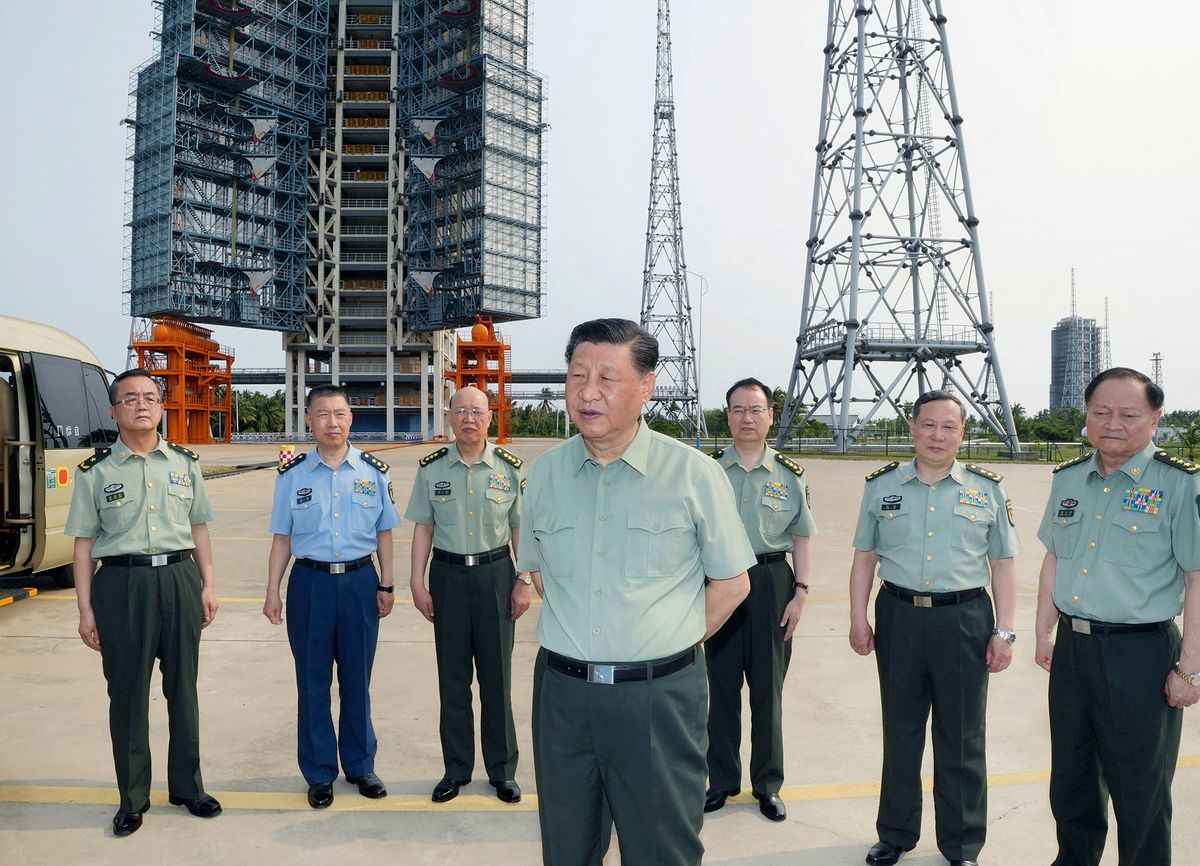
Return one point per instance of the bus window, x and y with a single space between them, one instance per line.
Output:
65 422
101 426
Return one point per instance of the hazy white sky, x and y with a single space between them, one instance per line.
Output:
1080 133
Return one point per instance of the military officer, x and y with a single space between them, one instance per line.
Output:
464 506
1122 537
936 528
140 510
620 527
756 642
333 510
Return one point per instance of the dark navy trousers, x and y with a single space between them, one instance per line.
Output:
333 619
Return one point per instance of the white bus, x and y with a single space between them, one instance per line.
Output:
53 414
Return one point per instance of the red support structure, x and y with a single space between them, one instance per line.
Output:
197 376
485 361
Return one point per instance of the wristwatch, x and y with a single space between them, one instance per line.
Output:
1010 636
1190 679
382 588
801 585
525 579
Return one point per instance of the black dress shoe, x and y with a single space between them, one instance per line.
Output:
885 853
447 789
964 863
771 807
714 799
203 806
369 785
125 823
508 790
320 796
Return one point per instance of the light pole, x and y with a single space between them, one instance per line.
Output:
699 350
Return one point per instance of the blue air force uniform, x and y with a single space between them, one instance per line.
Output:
332 515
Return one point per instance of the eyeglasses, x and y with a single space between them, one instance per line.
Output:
753 411
139 399
473 411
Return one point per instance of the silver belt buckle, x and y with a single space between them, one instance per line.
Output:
922 601
471 559
158 559
337 568
602 674
1081 625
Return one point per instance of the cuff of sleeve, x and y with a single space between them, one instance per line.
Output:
727 569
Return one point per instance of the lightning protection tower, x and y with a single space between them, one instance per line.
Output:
890 298
666 310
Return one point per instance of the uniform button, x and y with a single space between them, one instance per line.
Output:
1074 598
933 487
596 591
151 507
335 514
891 517
335 496
745 500
595 631
336 534
337 556
605 483
931 508
149 483
1063 521
1083 571
972 516
471 533
1133 528
154 529
472 514
603 517
1099 516
929 558
1108 490
1091 544
471 492
930 533
929 583
154 550
654 527
599 553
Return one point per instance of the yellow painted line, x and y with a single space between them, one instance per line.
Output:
346 799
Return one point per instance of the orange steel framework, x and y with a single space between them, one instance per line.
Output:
193 368
485 361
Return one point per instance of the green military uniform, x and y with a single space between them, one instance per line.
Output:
473 509
619 710
933 622
1121 544
135 506
772 500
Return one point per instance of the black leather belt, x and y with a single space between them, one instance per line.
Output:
620 672
335 567
773 556
932 599
470 558
1091 626
153 560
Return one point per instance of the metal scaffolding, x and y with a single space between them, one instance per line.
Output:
666 307
220 125
891 299
471 117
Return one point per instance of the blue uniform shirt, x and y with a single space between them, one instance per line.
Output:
333 514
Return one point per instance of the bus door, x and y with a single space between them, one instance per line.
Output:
17 523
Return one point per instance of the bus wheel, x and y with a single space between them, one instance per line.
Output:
63 577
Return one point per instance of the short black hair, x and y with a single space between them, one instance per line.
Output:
1154 394
325 391
643 347
135 373
749 383
931 396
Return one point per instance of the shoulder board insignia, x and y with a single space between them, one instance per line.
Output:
791 464
188 451
376 462
1068 463
986 473
884 470
718 454
295 461
429 458
509 457
100 454
1178 462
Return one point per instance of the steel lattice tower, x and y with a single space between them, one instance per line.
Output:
889 297
666 310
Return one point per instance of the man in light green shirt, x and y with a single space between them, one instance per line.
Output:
465 505
755 644
140 511
621 527
1122 537
938 530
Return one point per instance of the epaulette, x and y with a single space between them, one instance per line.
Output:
188 451
1178 462
376 462
295 461
883 470
791 464
429 458
986 473
509 457
1067 463
100 454
718 454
